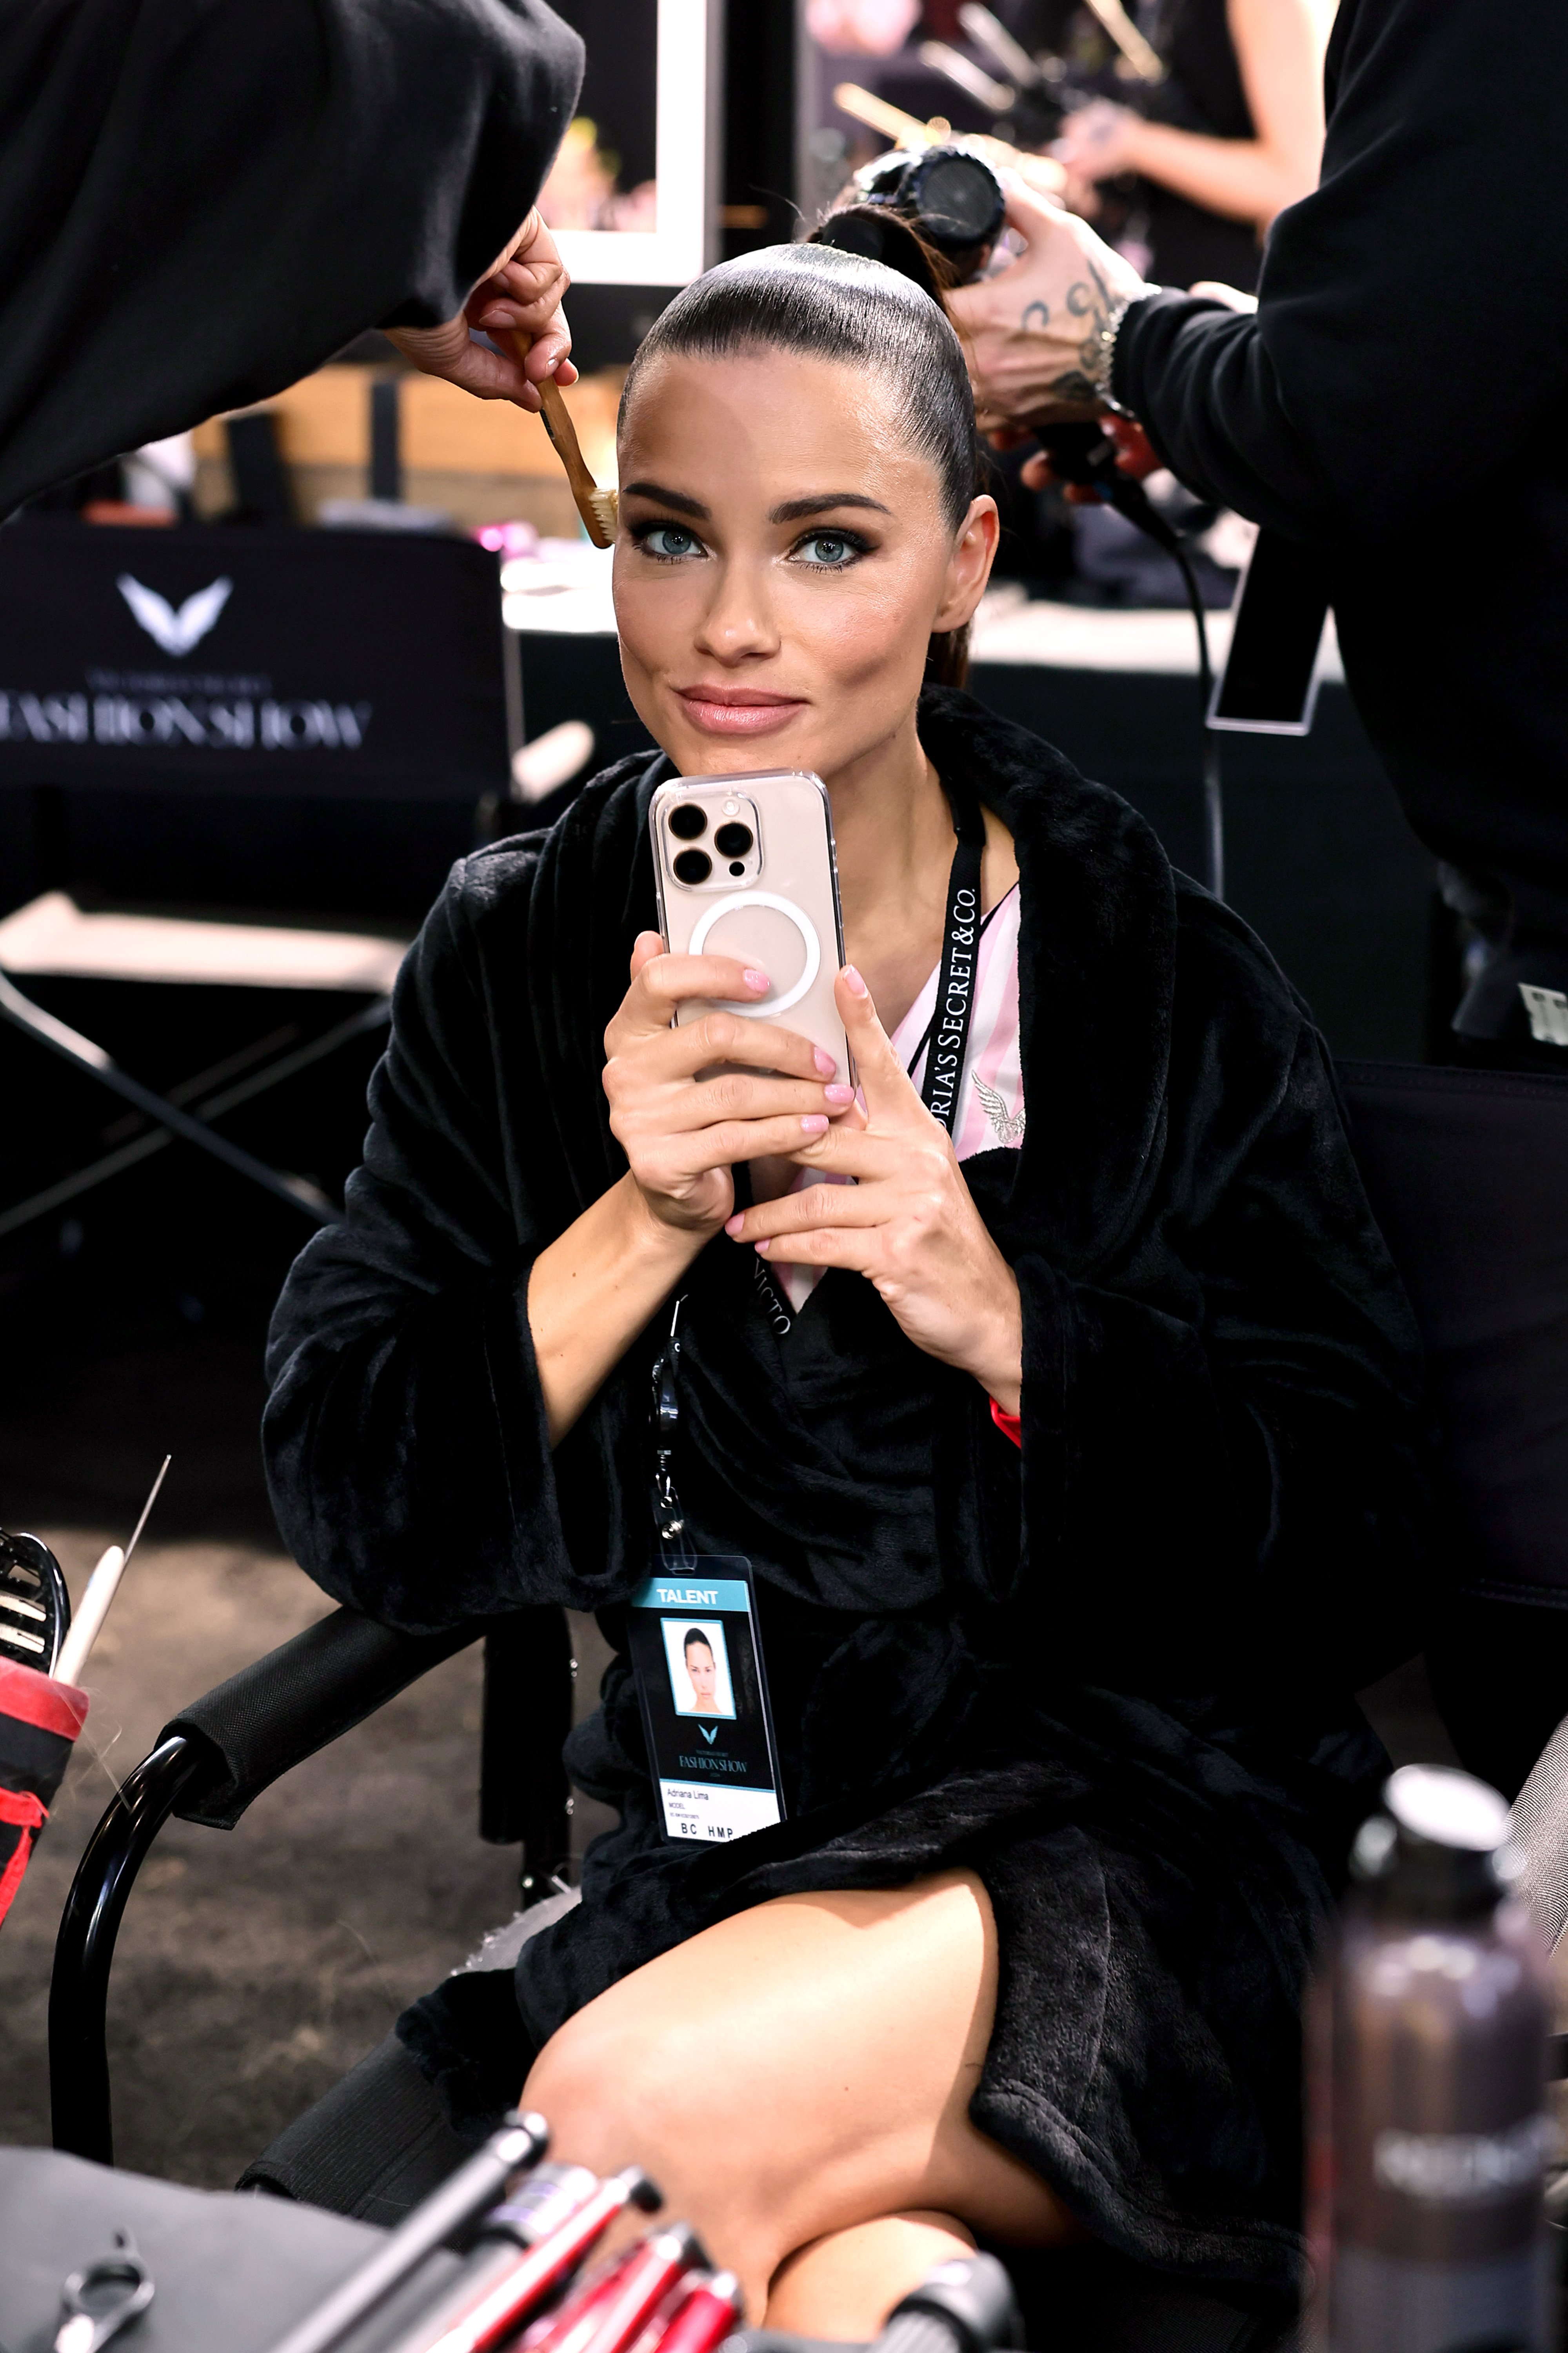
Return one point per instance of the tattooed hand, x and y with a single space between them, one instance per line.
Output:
1031 333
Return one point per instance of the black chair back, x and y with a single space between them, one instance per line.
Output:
1468 1174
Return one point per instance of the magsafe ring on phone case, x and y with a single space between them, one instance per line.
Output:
776 878
802 925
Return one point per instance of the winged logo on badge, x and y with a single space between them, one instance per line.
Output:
1007 1126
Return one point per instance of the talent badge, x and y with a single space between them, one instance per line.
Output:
692 1633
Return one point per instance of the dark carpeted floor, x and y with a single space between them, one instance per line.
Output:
254 1965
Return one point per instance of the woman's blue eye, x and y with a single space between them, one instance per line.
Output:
671 539
832 549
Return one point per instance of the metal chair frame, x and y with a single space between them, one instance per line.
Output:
171 1120
204 1768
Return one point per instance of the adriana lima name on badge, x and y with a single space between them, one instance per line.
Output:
692 1633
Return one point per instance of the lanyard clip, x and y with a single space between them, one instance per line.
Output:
668 1520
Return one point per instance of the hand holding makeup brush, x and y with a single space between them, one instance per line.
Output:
521 294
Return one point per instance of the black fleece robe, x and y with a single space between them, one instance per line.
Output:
1112 1672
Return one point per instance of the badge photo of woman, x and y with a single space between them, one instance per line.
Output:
699 1671
1081 1484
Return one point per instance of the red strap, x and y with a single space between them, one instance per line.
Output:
20 1807
41 1700
1010 1425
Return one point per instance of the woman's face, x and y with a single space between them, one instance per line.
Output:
703 1673
783 558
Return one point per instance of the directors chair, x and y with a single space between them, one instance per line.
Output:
1466 1173
52 937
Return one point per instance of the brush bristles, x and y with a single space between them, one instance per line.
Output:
605 506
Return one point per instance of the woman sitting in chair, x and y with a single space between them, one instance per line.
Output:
1075 1455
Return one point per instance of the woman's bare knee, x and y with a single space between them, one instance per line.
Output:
614 2090
847 2284
799 2070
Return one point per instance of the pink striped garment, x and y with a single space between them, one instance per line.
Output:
991 1110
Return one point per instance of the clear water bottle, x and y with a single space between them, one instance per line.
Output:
1428 2132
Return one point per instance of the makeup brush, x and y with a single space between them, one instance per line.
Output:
597 507
101 1588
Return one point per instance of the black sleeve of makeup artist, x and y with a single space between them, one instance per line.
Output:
200 204
1409 338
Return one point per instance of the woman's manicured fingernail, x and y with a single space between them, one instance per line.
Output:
815 1122
856 986
825 1062
839 1095
733 1225
762 1248
759 981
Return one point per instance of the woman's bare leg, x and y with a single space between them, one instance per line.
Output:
797 2073
857 2275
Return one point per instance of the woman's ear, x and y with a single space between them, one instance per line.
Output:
969 566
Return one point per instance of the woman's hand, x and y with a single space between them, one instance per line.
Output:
1099 141
681 1133
522 293
908 1223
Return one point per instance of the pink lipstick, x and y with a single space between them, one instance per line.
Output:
738 710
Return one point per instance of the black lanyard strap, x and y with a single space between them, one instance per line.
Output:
669 1519
956 974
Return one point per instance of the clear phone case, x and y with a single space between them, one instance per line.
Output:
745 867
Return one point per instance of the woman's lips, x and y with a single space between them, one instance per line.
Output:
738 711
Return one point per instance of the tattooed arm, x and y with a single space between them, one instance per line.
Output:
1032 335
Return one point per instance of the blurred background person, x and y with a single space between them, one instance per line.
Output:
1231 135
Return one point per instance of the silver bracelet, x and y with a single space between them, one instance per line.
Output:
1099 351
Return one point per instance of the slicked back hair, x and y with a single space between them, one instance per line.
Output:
833 305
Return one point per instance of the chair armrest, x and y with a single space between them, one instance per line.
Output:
208 1764
300 1698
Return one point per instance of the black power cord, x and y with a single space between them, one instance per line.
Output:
1086 457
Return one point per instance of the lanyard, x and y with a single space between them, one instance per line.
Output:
947 1042
669 1519
696 1649
956 974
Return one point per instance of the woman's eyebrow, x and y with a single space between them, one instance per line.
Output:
792 509
662 497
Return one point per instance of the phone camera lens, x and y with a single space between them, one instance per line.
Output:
732 841
737 868
688 821
693 865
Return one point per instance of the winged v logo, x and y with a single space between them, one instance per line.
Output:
1007 1127
174 632
709 1736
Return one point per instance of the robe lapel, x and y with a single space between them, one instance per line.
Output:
1096 973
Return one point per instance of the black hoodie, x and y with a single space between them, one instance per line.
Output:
1401 400
200 204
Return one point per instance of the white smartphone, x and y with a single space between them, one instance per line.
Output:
744 867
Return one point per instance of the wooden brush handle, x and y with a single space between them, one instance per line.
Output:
558 423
